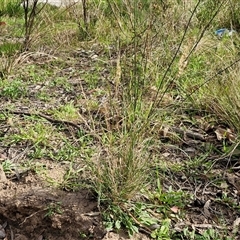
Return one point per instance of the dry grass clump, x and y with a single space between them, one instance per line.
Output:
223 98
120 169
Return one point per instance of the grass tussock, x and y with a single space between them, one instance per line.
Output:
119 171
223 98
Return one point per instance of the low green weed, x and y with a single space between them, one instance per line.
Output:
61 82
12 89
141 212
9 49
209 234
163 232
165 200
38 152
8 166
68 152
12 8
71 180
36 133
116 218
54 208
67 112
43 96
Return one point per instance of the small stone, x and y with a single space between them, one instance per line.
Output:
2 234
20 237
2 175
95 56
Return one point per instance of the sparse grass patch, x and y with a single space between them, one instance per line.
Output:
12 8
8 166
60 82
36 133
71 179
67 112
44 96
124 112
68 152
12 89
223 98
9 48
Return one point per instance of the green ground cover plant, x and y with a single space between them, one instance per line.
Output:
136 101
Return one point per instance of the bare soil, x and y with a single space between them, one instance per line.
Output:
33 211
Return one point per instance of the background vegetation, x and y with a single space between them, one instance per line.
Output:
131 79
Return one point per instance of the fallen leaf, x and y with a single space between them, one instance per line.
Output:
236 224
224 185
165 131
166 154
222 133
206 207
174 209
3 24
10 122
2 174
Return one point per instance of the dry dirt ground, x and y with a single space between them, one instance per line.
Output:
25 206
28 210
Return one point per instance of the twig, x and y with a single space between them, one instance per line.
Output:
11 232
188 133
54 121
42 210
145 229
